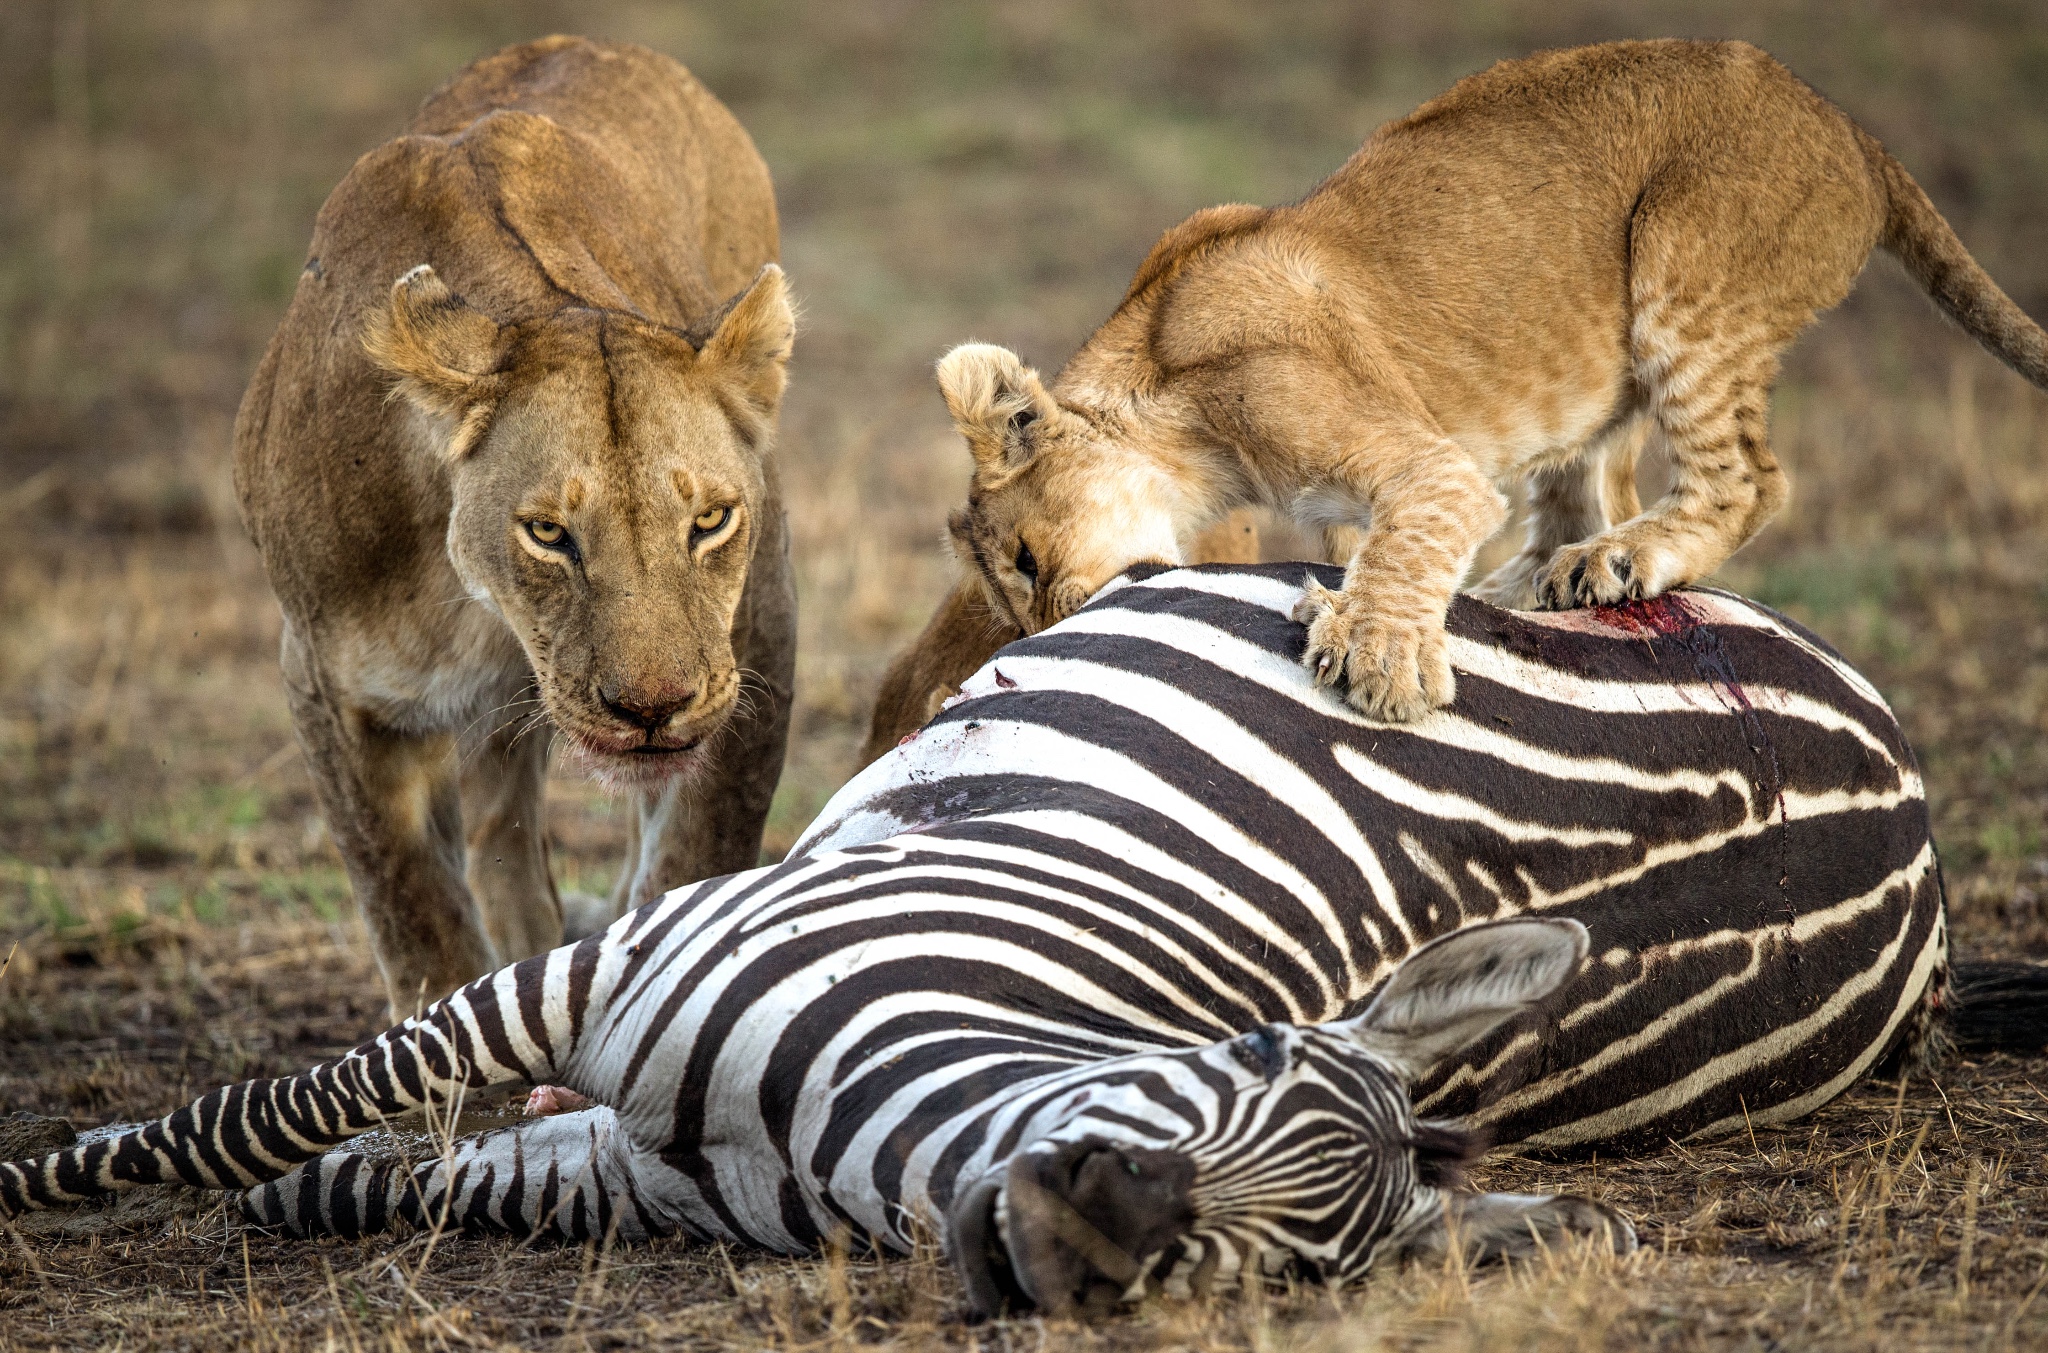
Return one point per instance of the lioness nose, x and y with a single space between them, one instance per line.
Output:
648 709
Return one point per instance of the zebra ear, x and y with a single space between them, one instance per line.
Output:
1460 987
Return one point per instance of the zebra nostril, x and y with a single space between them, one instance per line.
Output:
974 1243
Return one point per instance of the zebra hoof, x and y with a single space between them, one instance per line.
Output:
1494 1226
1600 1224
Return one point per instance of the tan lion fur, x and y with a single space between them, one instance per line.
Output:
964 633
1517 281
553 300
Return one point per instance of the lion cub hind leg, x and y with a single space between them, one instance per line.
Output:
1569 501
1726 484
1728 261
1382 636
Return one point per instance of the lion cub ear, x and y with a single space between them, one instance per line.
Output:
444 353
994 399
751 345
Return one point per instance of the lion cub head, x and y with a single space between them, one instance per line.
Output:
1060 502
607 474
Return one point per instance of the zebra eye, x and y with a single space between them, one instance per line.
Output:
1260 1051
1027 563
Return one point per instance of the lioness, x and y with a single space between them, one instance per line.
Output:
507 462
1504 283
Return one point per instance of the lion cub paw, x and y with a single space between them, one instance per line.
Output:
1393 669
1596 572
1512 586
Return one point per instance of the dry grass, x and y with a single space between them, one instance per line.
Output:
945 171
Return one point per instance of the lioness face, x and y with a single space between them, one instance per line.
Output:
1058 504
607 474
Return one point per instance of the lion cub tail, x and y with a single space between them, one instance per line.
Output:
1926 244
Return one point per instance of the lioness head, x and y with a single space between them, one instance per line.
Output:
1060 502
607 473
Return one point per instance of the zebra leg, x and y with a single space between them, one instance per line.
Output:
571 1175
1488 1226
513 1025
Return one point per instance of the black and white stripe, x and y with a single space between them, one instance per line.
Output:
1131 892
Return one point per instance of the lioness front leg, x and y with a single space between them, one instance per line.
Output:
1382 636
504 808
391 804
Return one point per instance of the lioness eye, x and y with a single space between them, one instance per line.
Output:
707 522
547 534
1027 563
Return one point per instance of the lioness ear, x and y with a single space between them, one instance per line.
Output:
1460 987
443 352
751 345
994 399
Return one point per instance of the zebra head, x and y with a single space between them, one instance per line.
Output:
1292 1148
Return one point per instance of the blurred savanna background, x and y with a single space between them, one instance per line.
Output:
945 171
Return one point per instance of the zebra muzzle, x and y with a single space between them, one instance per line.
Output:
1075 1225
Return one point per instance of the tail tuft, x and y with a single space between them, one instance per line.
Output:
2000 1007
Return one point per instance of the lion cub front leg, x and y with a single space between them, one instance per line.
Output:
1382 636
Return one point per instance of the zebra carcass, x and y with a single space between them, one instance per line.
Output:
1148 965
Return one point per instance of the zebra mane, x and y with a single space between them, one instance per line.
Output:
1445 1150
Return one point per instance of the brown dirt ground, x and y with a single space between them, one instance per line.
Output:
945 171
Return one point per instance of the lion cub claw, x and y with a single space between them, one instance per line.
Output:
1596 572
1394 668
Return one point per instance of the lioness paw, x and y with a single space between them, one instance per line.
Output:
1393 669
1596 572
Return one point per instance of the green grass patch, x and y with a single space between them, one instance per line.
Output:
1824 585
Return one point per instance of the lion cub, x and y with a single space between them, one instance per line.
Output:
1503 284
